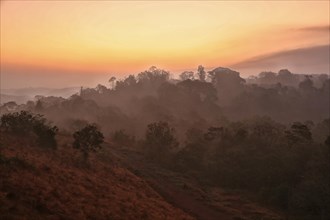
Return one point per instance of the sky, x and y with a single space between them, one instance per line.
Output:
73 43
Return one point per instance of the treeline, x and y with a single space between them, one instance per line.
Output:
200 98
286 78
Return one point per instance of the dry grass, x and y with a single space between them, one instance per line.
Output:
191 194
57 185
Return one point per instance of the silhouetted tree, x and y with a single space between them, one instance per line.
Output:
299 133
101 89
38 107
128 83
160 141
112 81
28 124
187 75
306 85
153 75
201 73
87 140
327 141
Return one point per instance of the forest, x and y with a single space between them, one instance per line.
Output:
267 136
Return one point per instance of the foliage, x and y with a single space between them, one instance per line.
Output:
153 75
284 167
201 73
299 133
25 123
187 75
87 140
160 141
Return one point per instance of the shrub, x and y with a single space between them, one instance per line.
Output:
46 135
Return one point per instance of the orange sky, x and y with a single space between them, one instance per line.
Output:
124 37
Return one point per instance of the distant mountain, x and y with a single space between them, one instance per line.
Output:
18 99
24 94
303 60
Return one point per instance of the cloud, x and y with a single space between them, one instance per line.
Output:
302 60
323 28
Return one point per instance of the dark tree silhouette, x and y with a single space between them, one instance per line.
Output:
112 81
38 107
201 73
25 123
299 133
187 75
88 139
160 141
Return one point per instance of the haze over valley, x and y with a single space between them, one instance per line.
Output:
213 110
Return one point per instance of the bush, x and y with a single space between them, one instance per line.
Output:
46 135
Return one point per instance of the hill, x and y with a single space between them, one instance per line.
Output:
19 99
44 184
117 183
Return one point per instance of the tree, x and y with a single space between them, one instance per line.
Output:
201 73
160 141
307 84
25 123
128 82
213 133
267 78
153 75
39 107
112 82
327 141
88 139
299 133
46 135
191 157
101 89
187 75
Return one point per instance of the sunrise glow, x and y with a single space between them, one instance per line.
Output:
120 37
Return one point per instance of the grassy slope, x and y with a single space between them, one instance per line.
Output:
191 194
43 184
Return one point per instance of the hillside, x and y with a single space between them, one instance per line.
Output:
45 184
117 183
193 194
